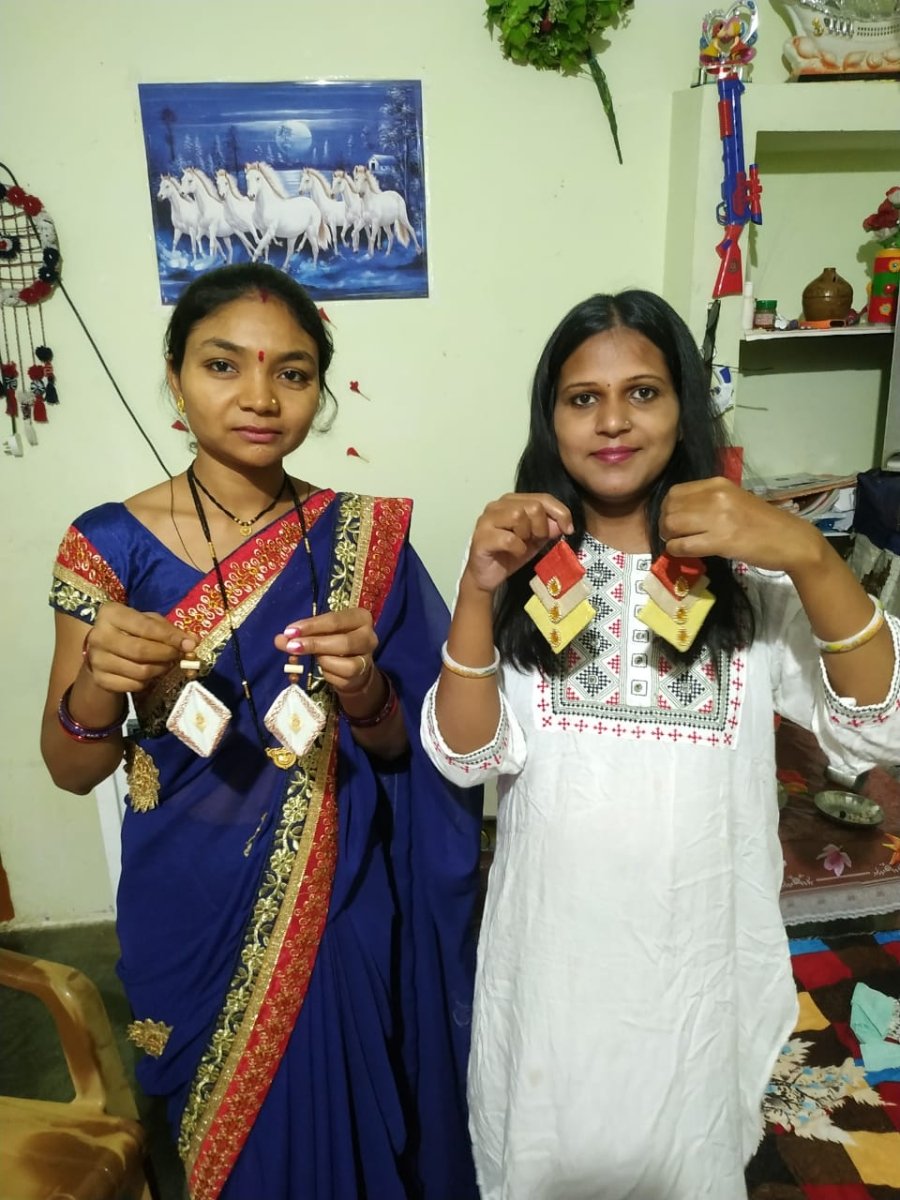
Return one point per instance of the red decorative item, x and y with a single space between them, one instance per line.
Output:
352 452
559 569
354 387
678 575
29 272
324 315
180 426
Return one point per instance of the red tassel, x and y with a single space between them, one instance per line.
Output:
39 412
352 452
180 426
12 408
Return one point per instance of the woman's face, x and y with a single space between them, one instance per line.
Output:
616 419
250 382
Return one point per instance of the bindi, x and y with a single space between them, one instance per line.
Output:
261 355
263 295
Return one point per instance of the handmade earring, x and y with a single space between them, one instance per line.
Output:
679 599
198 718
179 403
294 718
559 607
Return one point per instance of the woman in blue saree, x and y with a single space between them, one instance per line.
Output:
295 928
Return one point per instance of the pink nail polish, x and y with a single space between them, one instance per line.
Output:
295 646
290 631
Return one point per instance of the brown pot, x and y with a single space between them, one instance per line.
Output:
828 298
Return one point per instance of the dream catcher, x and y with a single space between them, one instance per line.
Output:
29 273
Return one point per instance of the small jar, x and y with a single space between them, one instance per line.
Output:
764 314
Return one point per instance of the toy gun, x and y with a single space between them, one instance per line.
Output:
741 189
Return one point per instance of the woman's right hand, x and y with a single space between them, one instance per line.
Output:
510 532
126 649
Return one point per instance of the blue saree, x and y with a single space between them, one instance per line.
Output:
297 946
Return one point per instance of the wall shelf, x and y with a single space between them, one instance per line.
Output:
772 335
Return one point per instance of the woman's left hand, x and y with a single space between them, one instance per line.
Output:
714 516
343 642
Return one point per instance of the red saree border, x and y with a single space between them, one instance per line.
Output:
378 528
80 563
253 565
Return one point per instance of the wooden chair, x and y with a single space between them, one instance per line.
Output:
93 1147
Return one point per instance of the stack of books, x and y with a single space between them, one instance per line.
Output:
828 501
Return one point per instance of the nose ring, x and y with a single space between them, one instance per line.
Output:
273 402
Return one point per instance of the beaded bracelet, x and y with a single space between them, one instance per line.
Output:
85 733
387 709
469 672
858 639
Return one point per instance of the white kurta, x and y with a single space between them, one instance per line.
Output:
634 984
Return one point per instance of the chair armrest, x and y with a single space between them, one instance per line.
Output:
82 1024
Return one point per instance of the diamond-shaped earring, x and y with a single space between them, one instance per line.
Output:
294 717
198 718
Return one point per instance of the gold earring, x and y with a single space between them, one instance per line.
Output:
179 403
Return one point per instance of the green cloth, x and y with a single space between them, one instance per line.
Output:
873 1018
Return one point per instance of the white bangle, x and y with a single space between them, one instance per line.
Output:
470 672
858 639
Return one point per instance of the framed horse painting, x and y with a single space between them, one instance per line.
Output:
325 180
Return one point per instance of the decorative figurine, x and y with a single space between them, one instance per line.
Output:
884 224
726 48
843 39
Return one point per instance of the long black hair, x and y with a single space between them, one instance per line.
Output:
697 455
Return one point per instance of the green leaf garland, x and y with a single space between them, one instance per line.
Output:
557 36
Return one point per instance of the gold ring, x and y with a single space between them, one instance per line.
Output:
363 664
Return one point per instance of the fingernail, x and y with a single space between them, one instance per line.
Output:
291 631
295 646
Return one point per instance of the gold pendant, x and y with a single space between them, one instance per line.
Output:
246 527
281 757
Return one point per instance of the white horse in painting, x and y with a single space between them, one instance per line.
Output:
334 212
296 218
343 190
383 211
238 209
183 211
213 222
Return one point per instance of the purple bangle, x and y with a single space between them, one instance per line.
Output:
84 733
387 709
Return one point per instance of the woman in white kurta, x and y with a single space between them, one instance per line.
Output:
634 985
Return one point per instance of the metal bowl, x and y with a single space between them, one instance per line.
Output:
849 808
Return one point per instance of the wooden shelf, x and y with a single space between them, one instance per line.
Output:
769 335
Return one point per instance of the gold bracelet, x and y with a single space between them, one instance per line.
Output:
858 639
469 672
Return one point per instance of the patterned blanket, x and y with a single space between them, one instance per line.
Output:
833 1131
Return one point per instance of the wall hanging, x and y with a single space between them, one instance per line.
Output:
325 180
29 272
559 36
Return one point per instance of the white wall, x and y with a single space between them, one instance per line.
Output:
528 212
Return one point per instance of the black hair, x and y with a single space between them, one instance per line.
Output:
212 290
697 455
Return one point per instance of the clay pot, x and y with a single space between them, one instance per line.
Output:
827 298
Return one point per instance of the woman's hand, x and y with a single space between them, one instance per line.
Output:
126 649
714 516
510 532
343 642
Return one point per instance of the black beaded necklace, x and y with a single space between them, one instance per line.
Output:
280 755
246 527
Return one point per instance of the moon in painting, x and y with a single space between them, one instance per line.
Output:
294 136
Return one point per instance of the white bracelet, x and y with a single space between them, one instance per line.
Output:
470 672
858 639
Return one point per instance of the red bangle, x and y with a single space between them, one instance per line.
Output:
387 709
85 733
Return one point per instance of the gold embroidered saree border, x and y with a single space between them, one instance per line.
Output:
289 917
82 578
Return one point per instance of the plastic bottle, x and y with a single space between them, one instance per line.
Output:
747 307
